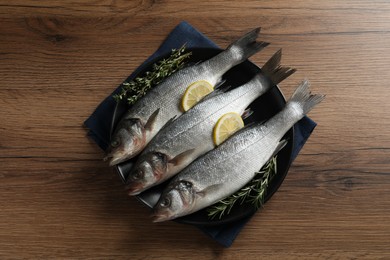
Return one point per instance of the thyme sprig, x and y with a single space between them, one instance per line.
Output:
135 89
254 192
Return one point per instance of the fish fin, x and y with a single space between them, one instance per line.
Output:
198 62
274 71
247 113
281 145
168 123
209 190
219 84
218 90
224 88
181 157
253 124
211 95
304 99
247 45
152 119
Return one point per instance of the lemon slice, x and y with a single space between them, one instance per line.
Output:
195 92
227 125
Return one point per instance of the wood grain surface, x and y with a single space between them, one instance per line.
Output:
59 59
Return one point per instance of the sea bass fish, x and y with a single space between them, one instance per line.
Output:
230 166
191 135
149 114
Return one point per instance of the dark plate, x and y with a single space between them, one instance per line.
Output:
264 107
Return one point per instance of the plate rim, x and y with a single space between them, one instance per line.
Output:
213 222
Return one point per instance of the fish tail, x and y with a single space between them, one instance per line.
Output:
247 45
304 99
274 71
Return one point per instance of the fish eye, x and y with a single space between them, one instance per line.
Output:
115 143
138 175
166 202
160 156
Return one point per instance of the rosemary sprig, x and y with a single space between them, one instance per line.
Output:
135 89
254 192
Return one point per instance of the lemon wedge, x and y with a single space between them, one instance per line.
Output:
195 92
227 125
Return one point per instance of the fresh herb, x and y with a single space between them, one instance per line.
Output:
135 89
254 192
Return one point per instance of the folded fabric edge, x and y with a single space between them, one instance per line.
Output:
184 33
226 234
174 40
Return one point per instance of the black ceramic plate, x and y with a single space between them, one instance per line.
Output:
264 107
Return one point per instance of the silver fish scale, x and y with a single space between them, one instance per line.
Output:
167 95
207 171
162 102
227 168
245 152
194 129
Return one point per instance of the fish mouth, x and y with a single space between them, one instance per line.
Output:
159 217
115 158
134 188
107 157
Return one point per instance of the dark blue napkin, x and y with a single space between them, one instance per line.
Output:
225 234
99 123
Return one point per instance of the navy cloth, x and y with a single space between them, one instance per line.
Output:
99 123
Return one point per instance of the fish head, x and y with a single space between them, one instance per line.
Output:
177 200
149 170
127 141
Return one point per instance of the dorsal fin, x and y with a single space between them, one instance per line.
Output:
168 123
152 119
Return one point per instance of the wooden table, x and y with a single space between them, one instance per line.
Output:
59 59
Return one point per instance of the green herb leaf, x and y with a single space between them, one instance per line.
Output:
254 192
137 88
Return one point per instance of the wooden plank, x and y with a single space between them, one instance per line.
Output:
59 59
